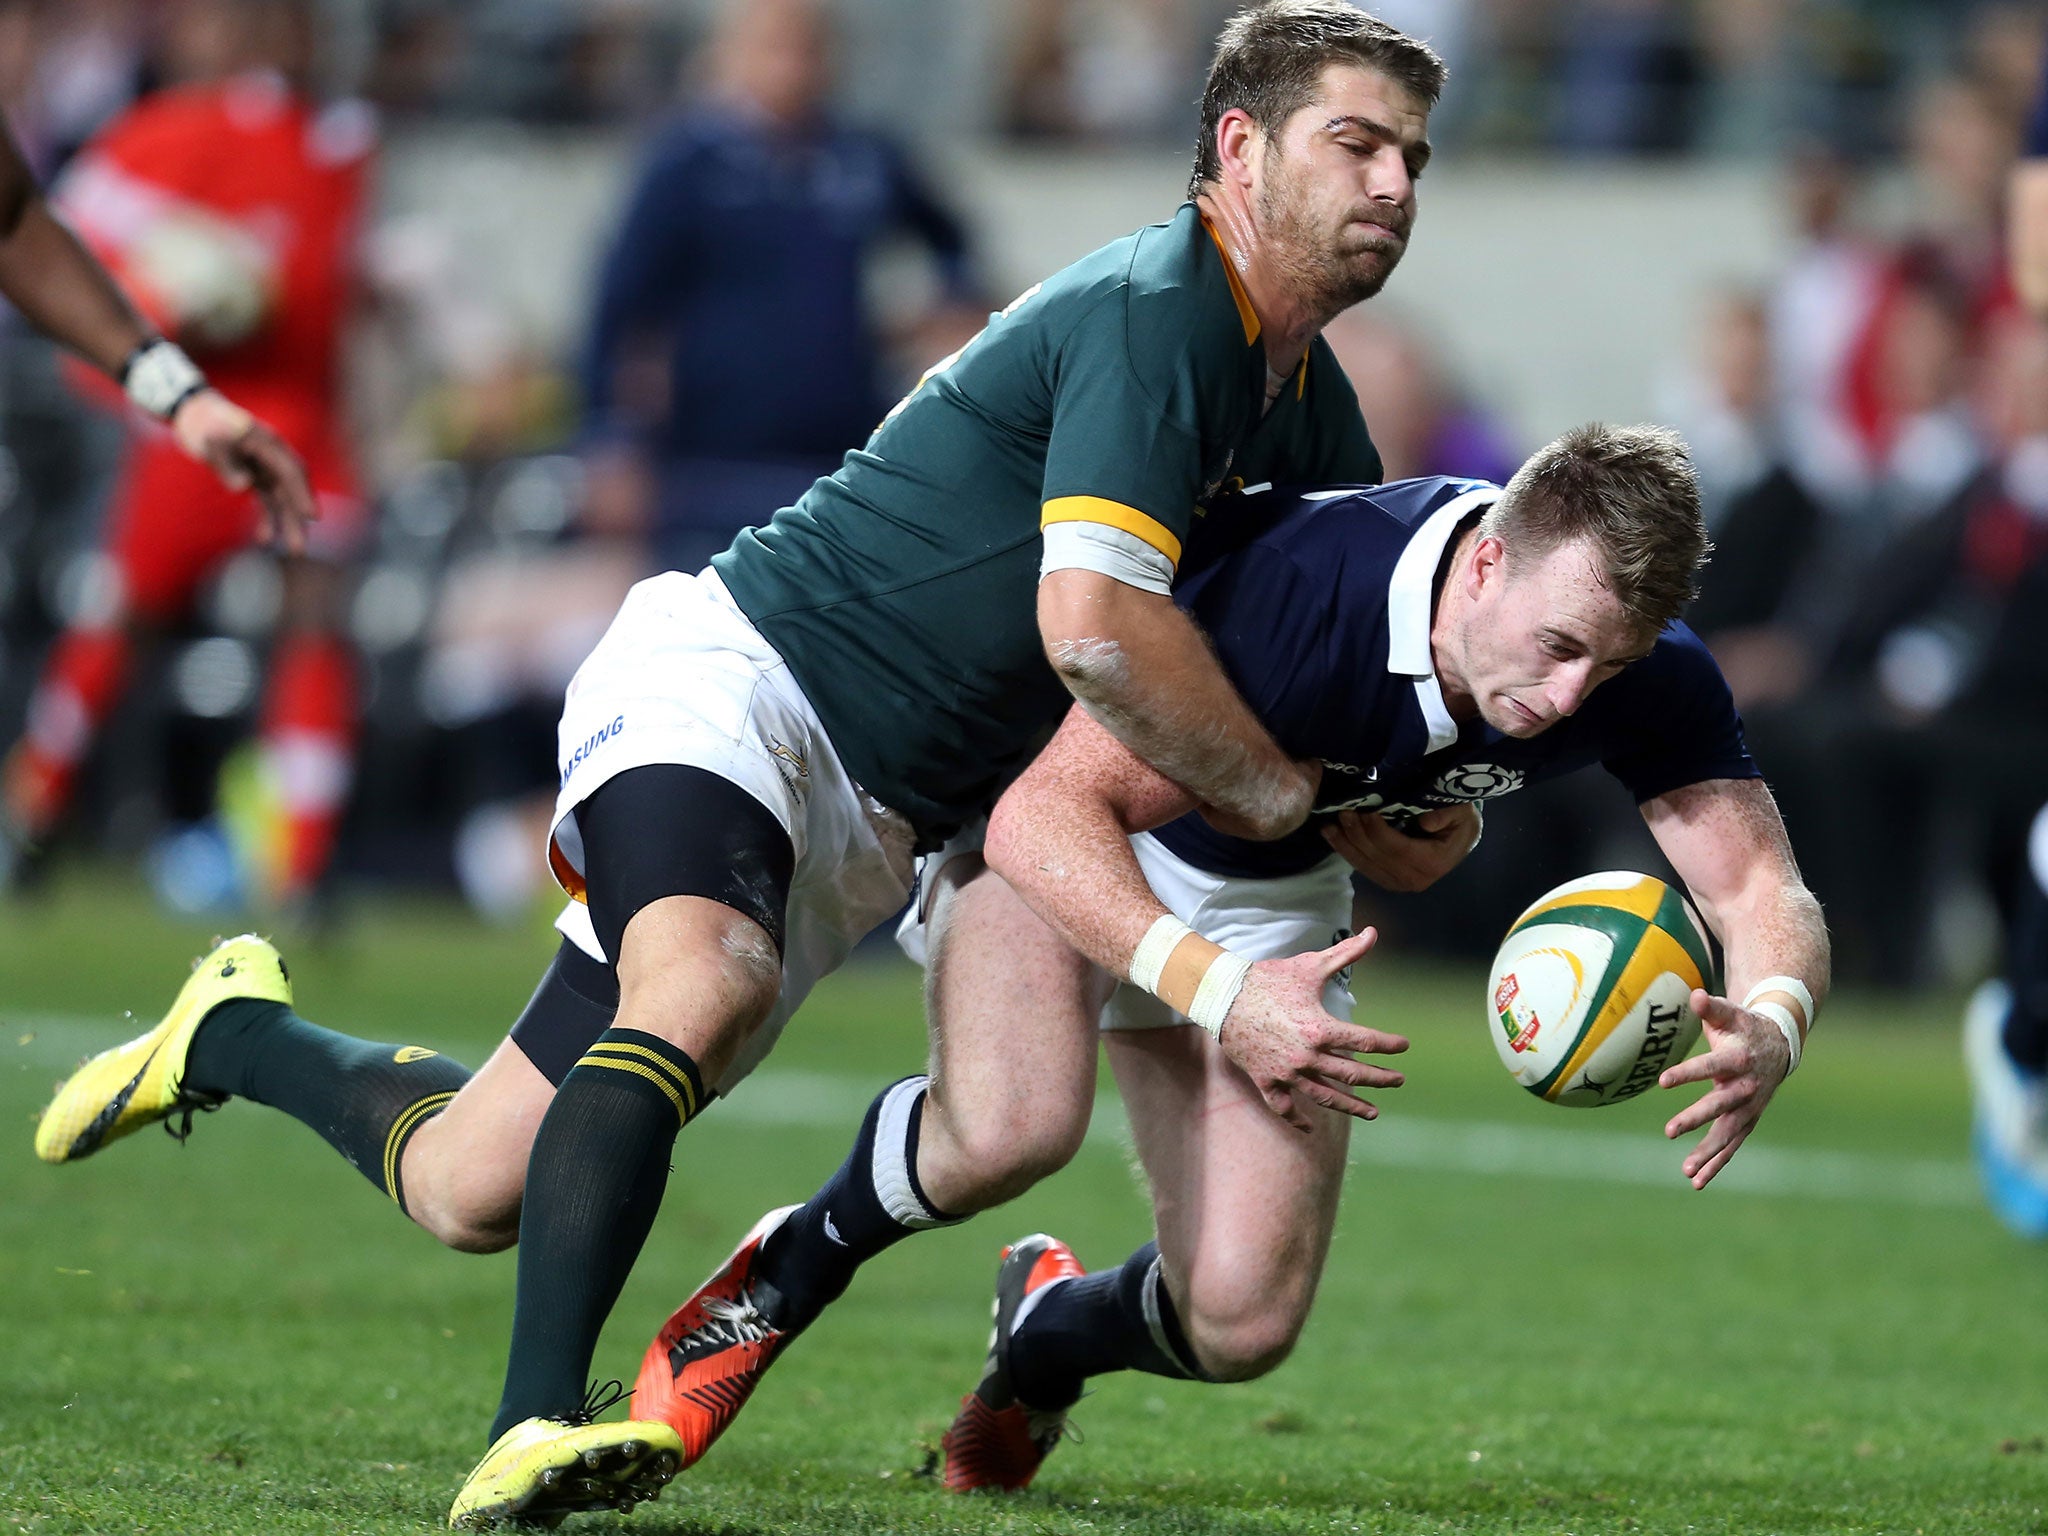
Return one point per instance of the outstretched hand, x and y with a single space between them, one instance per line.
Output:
1296 1054
247 455
1746 1060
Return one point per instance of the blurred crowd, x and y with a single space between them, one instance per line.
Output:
1871 422
1602 77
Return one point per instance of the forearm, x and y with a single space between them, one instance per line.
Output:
1725 839
64 292
1778 931
1061 837
1071 861
2027 234
1144 672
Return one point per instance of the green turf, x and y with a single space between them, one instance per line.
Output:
240 1336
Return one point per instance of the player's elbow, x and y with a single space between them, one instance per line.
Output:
1004 848
1085 619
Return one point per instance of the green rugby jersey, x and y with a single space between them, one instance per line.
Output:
902 590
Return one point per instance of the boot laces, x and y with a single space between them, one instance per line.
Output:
597 1398
728 1322
178 1123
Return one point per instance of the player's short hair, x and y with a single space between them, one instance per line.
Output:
1633 492
1270 60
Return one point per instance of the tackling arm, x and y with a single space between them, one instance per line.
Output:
1061 837
1727 843
1143 670
53 280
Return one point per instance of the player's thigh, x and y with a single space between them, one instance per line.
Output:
727 857
1244 1203
688 878
1011 1009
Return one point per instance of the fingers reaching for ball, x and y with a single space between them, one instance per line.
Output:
1746 1060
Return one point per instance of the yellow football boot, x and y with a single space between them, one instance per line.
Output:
137 1084
543 1470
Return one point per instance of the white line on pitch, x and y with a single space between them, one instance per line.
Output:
774 1097
1494 1148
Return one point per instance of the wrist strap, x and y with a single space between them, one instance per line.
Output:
1779 1014
1149 958
1220 985
159 377
1220 981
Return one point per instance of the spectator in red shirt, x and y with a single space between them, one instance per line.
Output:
230 211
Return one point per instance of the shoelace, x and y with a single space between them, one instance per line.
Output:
178 1124
597 1398
731 1322
1047 1427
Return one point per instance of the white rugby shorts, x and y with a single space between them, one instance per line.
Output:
1267 919
682 676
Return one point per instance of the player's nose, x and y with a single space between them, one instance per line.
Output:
1387 179
1568 689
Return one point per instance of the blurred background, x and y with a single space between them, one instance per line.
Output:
630 273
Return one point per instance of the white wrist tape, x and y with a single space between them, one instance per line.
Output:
1149 958
1779 1014
159 377
1220 985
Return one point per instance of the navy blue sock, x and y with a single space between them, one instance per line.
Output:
367 1099
594 1182
1120 1319
873 1202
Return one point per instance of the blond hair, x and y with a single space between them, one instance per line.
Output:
1631 493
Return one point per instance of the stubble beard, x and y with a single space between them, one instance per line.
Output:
1330 272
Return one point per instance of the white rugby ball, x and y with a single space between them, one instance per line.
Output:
1589 999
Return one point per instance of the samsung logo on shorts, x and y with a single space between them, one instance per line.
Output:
591 745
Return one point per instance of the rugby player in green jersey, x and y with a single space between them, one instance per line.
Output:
753 754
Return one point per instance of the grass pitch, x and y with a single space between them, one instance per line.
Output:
1529 1322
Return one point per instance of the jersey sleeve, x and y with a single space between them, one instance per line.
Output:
1122 453
1676 722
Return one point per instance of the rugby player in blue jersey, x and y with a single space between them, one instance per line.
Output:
1432 643
753 753
2005 1028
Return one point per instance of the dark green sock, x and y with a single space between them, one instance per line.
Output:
366 1099
594 1182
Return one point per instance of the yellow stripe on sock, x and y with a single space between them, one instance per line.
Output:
410 1119
675 1073
640 1070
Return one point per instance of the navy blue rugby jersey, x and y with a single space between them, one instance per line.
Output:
1319 603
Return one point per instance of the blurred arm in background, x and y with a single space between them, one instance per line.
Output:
2027 213
52 279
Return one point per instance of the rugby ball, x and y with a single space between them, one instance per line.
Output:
1590 993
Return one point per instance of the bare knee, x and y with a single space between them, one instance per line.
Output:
466 1231
1242 1344
700 975
995 1152
468 1206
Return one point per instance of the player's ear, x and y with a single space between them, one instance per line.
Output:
1486 566
1237 145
